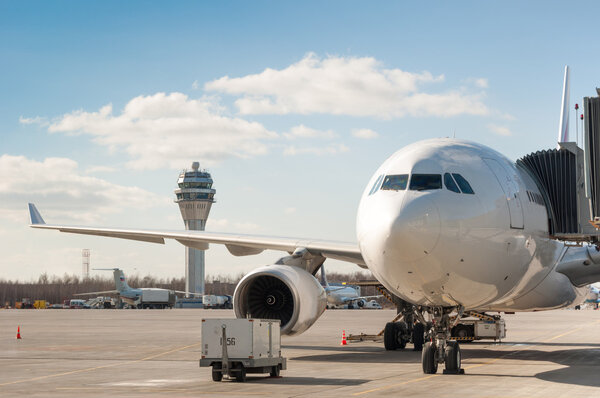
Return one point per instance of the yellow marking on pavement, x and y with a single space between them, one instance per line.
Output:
112 365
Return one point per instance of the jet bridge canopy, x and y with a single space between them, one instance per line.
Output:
569 179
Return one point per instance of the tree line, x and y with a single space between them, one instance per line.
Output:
55 289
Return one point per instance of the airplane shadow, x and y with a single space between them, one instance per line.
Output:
581 366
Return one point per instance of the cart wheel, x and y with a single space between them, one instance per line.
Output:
241 375
217 375
275 371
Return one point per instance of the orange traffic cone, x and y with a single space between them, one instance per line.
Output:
344 342
18 332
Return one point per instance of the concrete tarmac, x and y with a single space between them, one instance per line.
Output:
154 353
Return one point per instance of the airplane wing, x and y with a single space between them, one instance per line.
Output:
237 244
91 293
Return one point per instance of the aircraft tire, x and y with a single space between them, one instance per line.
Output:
428 361
453 357
275 371
418 336
217 375
241 375
389 336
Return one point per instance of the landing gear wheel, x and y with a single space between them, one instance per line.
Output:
389 336
240 376
401 333
216 372
453 359
428 359
275 371
418 336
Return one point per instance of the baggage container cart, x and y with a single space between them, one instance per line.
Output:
236 347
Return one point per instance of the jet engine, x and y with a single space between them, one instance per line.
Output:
361 303
283 292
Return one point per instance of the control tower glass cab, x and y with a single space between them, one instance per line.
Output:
195 197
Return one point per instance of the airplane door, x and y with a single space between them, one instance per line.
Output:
511 191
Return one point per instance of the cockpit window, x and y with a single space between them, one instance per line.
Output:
450 184
464 185
421 182
395 182
376 185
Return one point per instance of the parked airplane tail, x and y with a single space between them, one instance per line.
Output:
120 282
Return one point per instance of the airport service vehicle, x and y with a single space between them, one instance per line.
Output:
235 347
220 302
447 226
77 304
145 297
372 305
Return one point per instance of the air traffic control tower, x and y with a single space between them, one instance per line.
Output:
195 197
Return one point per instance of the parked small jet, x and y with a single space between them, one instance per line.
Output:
343 295
145 297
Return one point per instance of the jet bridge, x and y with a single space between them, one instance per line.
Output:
569 180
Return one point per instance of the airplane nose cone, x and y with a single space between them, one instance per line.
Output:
416 231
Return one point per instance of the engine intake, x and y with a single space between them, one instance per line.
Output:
283 292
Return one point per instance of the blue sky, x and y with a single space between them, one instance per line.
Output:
291 107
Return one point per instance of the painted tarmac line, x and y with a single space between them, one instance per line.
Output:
478 365
112 365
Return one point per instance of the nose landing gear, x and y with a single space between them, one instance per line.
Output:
440 349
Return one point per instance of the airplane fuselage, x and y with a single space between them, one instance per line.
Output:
433 240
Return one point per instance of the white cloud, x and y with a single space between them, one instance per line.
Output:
100 169
500 130
195 85
478 82
366 134
346 86
33 120
302 131
334 149
169 130
289 210
62 192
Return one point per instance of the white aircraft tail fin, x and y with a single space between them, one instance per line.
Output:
563 126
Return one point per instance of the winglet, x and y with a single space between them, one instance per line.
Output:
35 216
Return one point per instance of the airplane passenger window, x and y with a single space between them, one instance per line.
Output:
421 182
464 185
395 182
450 184
376 185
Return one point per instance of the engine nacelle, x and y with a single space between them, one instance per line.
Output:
283 292
361 303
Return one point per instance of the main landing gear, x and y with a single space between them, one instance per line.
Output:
432 338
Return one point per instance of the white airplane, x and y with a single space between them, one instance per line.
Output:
135 296
343 295
445 225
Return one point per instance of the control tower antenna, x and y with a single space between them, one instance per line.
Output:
195 197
